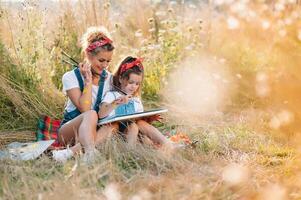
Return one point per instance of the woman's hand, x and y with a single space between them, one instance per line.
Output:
85 70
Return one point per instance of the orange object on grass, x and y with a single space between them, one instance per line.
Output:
180 137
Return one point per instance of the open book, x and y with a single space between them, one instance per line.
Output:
131 116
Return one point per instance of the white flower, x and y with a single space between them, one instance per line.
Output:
192 6
218 2
138 33
111 192
232 22
234 174
279 6
160 13
265 24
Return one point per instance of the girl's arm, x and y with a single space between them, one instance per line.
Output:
106 108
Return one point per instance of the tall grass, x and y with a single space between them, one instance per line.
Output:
239 154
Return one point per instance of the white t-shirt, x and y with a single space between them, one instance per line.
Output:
112 95
70 81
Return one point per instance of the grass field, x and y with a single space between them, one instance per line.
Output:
227 70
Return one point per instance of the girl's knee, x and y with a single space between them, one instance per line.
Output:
91 115
134 125
141 122
133 128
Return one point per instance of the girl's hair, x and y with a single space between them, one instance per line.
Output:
128 66
96 39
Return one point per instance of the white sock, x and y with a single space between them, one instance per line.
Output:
62 155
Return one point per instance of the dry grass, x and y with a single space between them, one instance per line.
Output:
243 58
229 162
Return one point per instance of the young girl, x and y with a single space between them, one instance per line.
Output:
85 87
128 78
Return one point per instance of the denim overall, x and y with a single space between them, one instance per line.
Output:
125 109
72 114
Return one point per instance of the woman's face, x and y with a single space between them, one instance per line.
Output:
131 85
100 61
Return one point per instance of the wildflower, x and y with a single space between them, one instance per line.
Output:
218 2
152 30
172 3
162 31
138 33
52 73
234 174
165 22
232 22
265 24
160 13
107 5
189 47
239 7
192 6
150 20
153 47
279 7
111 192
180 137
170 10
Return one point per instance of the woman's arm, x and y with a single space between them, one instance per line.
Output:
106 109
82 100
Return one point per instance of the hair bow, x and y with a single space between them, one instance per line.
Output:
127 66
97 44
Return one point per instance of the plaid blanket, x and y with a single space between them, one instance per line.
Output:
48 130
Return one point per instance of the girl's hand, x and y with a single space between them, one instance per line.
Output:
150 119
124 99
85 70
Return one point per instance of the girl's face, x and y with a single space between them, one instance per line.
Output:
131 85
100 61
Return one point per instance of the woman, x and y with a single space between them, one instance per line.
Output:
85 87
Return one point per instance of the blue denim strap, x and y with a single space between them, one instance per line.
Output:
79 79
101 84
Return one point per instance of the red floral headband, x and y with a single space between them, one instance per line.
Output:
126 66
97 44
